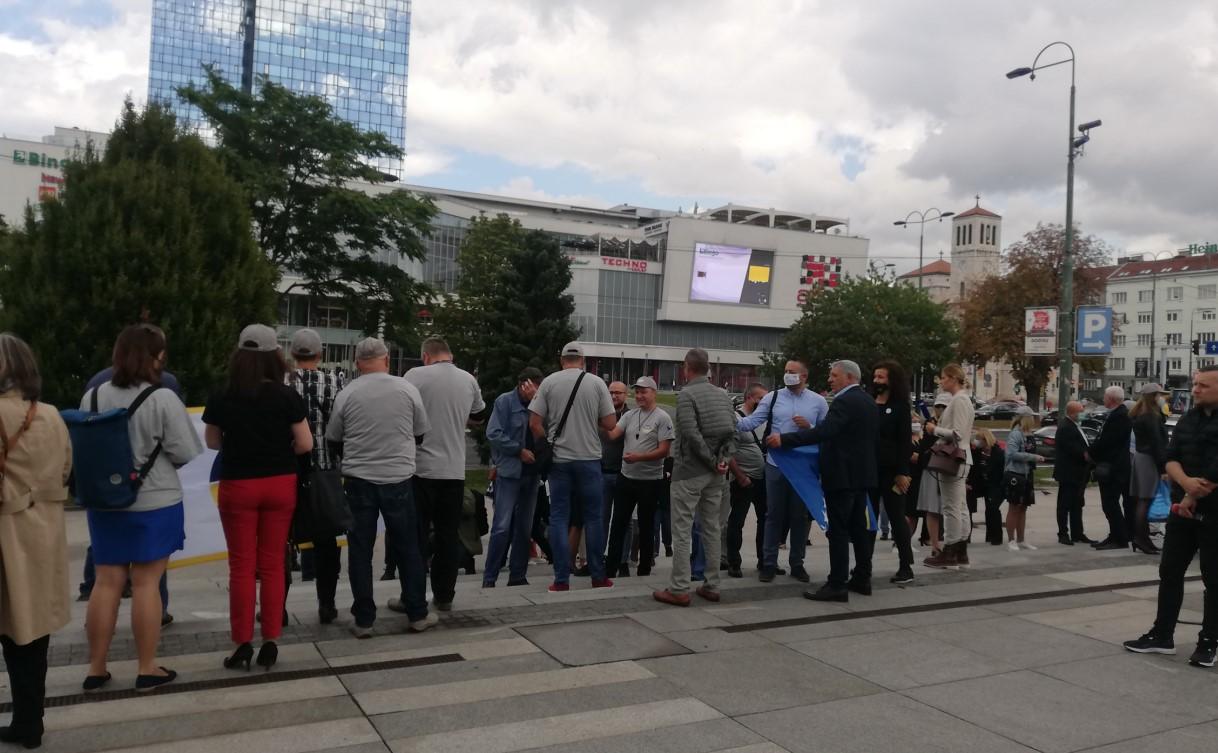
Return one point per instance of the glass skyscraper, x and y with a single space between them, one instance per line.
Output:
351 52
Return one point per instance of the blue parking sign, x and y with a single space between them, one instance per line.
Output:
1093 331
1211 348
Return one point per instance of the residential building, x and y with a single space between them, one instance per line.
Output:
934 278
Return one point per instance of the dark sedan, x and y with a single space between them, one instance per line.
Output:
1003 410
1044 441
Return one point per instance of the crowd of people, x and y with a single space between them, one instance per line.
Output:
614 481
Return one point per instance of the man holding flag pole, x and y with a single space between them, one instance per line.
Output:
847 439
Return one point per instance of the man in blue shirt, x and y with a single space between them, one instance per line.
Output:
782 411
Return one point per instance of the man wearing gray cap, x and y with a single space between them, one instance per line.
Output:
377 421
648 434
569 411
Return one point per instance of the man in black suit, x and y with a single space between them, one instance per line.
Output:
848 438
1071 471
1110 453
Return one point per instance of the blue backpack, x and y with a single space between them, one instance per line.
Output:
103 464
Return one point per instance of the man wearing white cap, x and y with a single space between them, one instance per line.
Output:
648 433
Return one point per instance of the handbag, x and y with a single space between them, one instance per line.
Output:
946 456
1160 506
543 450
321 506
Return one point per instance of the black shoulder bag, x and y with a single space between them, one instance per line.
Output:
321 506
543 450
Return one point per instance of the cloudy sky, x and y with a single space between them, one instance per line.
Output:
858 110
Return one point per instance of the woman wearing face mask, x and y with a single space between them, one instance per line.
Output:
930 499
1149 444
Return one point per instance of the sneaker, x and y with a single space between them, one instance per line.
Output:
1012 546
602 583
489 584
903 576
944 560
167 619
361 632
559 588
443 606
427 623
1152 644
82 598
780 571
1027 546
583 571
766 574
713 596
388 575
668 597
800 574
395 605
521 582
735 572
327 613
1204 655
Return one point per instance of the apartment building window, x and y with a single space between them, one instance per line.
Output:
1143 317
1174 364
1146 296
1173 316
1175 293
1204 362
1208 315
1120 297
1144 341
1207 292
1175 338
1207 337
1118 341
1116 364
1123 318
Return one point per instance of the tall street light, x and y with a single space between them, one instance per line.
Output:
1074 147
923 218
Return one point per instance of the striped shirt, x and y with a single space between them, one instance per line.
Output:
318 388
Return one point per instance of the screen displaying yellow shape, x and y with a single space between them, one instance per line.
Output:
759 274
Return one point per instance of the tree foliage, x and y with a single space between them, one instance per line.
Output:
152 231
992 327
296 160
867 319
511 308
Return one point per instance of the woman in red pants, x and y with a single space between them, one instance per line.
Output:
259 425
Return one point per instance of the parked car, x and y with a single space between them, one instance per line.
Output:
1002 410
1044 440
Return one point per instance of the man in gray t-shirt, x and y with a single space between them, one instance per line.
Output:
576 471
648 433
747 487
375 425
453 401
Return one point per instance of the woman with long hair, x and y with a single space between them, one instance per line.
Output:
956 426
35 459
890 386
929 502
1149 461
139 539
1017 478
259 424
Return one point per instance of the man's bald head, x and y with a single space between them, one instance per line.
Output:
1073 408
617 392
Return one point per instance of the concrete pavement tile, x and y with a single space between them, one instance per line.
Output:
761 679
774 609
712 639
797 633
470 650
1110 575
895 598
1096 613
557 730
582 591
717 735
900 659
887 722
1045 713
1152 592
490 688
940 617
300 738
1198 739
1051 603
524 705
1111 623
1164 683
600 641
669 620
436 674
766 747
409 641
377 747
994 587
1018 642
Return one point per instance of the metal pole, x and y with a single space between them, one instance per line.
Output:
1067 316
1154 319
921 234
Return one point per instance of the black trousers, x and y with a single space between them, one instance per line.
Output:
993 516
1184 539
27 677
630 494
847 513
1110 497
894 505
1070 510
327 565
742 498
438 502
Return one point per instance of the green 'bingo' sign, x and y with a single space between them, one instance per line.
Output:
37 159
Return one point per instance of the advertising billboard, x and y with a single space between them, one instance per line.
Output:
731 274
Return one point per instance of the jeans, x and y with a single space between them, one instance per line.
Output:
1110 497
1070 511
90 576
784 511
847 513
661 530
742 498
609 491
511 528
1185 538
697 554
632 493
256 514
395 502
577 482
699 497
438 503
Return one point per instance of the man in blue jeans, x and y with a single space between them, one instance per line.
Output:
376 423
570 409
516 479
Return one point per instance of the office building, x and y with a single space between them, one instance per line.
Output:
33 170
353 53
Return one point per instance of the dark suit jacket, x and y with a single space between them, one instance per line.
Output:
1112 445
847 439
1069 466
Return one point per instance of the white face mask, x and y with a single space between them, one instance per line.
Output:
1162 401
791 380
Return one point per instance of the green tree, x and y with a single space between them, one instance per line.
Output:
511 308
152 231
867 319
992 326
297 160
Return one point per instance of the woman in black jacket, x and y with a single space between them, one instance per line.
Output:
895 447
1149 461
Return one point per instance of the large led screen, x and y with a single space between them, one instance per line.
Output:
731 274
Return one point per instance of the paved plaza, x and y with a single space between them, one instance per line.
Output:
1020 653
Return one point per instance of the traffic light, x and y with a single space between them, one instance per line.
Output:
1197 347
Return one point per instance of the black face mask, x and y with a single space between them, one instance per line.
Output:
879 389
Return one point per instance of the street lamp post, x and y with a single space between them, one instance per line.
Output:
1154 311
1074 145
923 218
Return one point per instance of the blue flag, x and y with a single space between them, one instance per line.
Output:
801 467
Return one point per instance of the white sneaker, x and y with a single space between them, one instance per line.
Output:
1029 547
428 622
1012 546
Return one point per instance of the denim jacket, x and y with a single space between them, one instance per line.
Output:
506 433
1018 460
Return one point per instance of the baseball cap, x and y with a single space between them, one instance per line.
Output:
1153 389
369 348
530 374
647 382
306 343
573 350
258 337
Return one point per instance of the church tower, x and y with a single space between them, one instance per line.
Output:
976 249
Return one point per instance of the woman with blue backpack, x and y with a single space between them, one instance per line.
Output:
136 527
